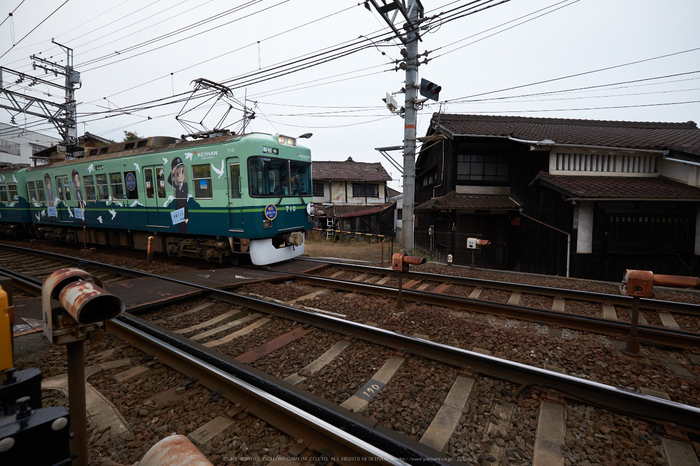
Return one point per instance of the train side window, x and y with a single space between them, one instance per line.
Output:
148 175
59 188
102 188
12 191
201 176
132 191
31 190
66 183
235 179
161 183
41 195
89 184
116 186
3 193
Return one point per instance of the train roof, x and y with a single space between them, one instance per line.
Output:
141 146
12 167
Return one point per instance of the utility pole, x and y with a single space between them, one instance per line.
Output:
62 115
412 13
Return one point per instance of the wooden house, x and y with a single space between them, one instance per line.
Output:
579 198
353 196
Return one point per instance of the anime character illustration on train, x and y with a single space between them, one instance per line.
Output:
79 212
178 180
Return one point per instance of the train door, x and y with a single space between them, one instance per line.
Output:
235 207
63 195
154 181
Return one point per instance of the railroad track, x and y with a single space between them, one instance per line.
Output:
18 262
388 374
571 309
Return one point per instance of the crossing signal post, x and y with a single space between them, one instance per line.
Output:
429 89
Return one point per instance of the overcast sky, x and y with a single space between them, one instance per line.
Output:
633 60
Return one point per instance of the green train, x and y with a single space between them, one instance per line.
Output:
219 198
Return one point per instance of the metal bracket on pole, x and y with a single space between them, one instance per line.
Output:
384 151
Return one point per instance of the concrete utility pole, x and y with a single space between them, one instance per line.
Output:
409 131
412 12
62 116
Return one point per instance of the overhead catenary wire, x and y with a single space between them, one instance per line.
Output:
273 75
34 28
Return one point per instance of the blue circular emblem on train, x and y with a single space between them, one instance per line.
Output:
271 212
130 181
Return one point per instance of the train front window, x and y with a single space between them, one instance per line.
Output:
268 177
301 177
3 193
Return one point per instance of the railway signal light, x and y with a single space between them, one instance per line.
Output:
429 89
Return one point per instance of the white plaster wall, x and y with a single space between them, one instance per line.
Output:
584 239
683 172
25 139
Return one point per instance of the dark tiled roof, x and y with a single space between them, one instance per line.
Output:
613 187
359 211
349 171
349 210
684 137
454 201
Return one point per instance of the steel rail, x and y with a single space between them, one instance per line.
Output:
332 429
578 295
594 393
78 262
656 335
258 392
21 281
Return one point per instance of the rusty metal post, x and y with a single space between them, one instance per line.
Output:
85 305
632 347
637 284
76 400
149 255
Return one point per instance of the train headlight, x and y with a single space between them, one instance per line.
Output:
310 209
287 141
267 223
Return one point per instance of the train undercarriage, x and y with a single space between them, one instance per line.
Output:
217 249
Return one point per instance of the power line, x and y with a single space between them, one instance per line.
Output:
295 28
176 32
34 29
580 109
575 75
575 89
9 15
